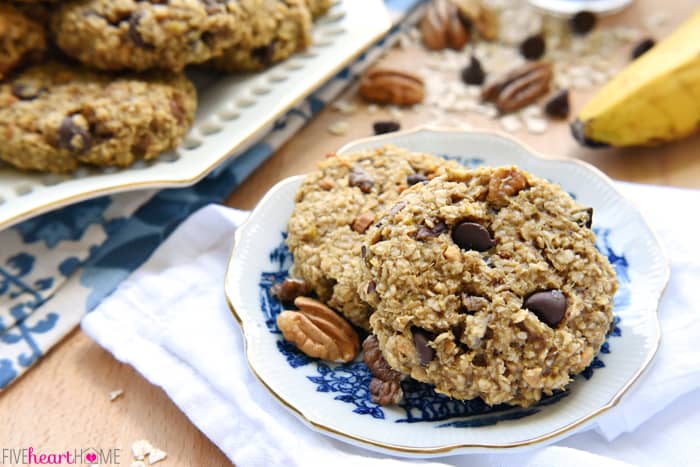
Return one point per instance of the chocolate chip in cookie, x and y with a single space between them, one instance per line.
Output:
549 306
472 236
74 135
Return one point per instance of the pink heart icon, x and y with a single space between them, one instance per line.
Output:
91 457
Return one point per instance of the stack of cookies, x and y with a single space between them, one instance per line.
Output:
481 282
101 81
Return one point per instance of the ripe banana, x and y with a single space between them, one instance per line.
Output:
654 100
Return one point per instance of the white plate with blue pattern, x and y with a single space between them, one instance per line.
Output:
334 398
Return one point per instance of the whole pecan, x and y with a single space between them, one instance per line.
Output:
392 86
442 26
519 87
318 331
376 362
385 387
385 392
289 289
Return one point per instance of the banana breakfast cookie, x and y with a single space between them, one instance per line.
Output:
335 205
487 283
319 7
21 39
139 35
53 117
274 30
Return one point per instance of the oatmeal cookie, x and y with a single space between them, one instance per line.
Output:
21 39
335 206
53 117
139 35
274 30
319 7
487 283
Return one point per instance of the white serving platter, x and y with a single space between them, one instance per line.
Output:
233 112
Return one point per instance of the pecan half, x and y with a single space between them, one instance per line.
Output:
519 87
392 86
318 331
376 362
505 183
385 392
442 26
289 289
385 387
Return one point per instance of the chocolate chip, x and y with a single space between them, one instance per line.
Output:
360 178
582 22
473 73
26 91
416 178
387 126
472 236
134 32
533 47
73 137
583 217
479 360
458 331
642 48
425 232
371 286
421 338
558 105
264 54
549 306
363 251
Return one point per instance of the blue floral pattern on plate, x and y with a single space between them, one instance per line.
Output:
350 381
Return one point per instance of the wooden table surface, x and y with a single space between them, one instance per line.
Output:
63 402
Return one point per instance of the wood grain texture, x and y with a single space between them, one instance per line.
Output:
63 403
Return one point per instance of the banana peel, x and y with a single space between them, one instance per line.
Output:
654 100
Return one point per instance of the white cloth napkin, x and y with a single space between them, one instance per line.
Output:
170 321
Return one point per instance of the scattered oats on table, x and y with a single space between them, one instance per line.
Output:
156 455
141 448
339 128
115 394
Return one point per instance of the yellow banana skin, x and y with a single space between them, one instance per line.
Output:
654 100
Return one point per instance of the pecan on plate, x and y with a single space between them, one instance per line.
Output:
289 289
519 87
318 331
385 387
392 86
376 362
443 27
385 392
